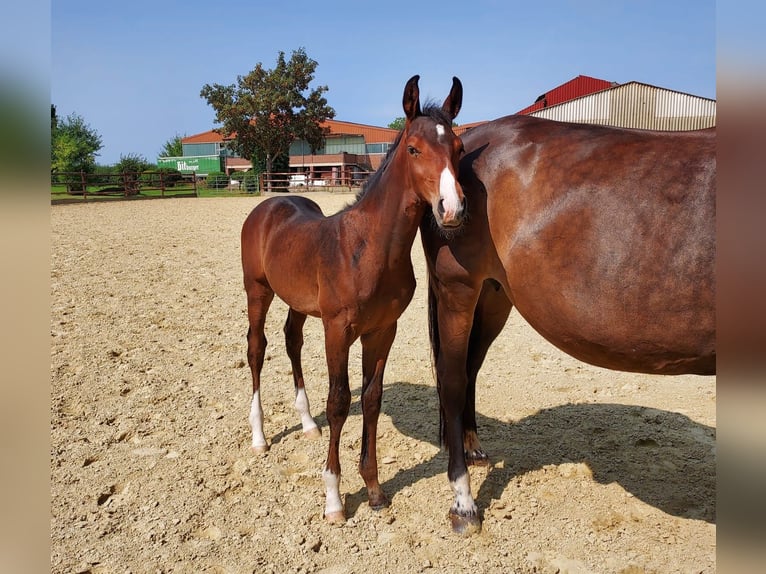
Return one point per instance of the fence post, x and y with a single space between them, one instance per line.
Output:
162 186
84 185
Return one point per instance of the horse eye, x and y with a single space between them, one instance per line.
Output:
413 151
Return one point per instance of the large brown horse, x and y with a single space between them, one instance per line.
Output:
352 269
602 238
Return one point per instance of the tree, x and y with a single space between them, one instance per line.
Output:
74 146
267 110
397 124
54 127
173 147
130 167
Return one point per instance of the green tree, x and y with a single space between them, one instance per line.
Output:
130 167
54 127
173 147
269 109
74 147
397 124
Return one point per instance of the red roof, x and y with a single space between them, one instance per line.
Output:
372 134
461 129
211 136
574 88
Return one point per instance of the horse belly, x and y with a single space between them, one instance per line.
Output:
626 288
668 335
278 250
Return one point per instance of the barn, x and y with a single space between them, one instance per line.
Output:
629 105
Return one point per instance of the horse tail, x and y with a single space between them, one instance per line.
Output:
433 335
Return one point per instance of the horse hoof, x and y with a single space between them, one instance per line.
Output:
379 502
260 449
464 525
476 458
337 517
313 433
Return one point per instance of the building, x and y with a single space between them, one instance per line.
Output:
573 89
631 105
352 151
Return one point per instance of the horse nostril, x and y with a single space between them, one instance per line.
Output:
440 207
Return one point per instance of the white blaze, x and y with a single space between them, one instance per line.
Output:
448 194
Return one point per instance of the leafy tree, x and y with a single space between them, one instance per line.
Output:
74 146
54 127
173 147
397 124
269 109
131 166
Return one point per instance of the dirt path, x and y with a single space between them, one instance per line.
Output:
593 470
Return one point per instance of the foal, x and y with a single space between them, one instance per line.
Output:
353 270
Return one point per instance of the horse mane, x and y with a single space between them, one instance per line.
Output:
431 109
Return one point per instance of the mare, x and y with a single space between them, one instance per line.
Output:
603 239
353 270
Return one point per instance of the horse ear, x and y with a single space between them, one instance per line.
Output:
411 99
454 100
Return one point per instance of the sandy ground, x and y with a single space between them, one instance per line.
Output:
592 470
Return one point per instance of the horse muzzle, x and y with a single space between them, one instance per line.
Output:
450 216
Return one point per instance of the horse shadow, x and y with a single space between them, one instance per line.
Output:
663 458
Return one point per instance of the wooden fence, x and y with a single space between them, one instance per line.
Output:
163 184
318 181
127 184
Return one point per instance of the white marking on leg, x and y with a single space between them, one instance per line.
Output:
464 504
332 492
304 410
448 194
256 421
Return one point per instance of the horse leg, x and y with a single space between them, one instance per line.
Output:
375 349
453 309
337 343
294 344
489 317
259 298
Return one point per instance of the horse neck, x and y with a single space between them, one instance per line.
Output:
393 212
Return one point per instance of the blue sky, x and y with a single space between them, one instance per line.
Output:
134 70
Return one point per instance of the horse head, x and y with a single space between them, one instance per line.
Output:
432 152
